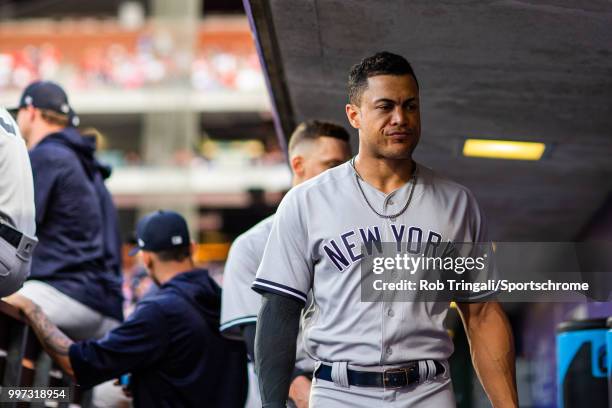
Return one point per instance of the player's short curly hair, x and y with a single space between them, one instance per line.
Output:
381 63
314 129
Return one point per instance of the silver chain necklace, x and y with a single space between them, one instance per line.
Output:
413 178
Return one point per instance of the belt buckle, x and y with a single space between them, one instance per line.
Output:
387 381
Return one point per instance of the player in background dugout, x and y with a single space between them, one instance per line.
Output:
76 275
314 147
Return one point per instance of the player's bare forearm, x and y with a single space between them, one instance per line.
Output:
492 348
53 340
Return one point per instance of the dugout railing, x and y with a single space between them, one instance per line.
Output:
24 363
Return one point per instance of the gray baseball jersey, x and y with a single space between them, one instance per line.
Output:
239 303
315 245
16 182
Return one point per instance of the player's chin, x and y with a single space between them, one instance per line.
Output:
398 151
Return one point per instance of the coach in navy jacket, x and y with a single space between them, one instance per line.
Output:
170 344
78 252
71 207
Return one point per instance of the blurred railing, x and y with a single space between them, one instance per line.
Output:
24 363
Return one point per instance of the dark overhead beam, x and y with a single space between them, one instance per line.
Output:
262 26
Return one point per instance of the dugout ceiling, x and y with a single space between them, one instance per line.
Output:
520 70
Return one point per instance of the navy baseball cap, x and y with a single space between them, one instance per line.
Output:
161 230
47 95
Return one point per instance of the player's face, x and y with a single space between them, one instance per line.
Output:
388 117
326 153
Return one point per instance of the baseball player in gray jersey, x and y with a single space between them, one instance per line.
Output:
373 353
314 147
17 225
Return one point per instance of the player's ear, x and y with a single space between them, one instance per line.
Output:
352 113
297 165
146 258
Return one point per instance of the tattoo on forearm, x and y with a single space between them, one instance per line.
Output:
49 335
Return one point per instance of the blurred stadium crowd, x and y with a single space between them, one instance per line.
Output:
94 54
115 66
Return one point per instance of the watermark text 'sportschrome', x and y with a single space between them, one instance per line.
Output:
491 285
515 272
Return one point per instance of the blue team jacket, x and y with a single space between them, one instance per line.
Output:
78 251
172 347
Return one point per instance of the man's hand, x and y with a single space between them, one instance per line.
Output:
492 349
299 391
124 388
20 302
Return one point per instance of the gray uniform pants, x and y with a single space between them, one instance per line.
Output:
78 321
436 392
15 264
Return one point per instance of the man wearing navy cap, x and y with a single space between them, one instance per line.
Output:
75 275
170 343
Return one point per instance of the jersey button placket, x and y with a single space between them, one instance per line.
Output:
388 206
387 325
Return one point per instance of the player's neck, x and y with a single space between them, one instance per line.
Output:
39 133
383 174
168 270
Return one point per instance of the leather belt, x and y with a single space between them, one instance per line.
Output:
10 235
392 378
